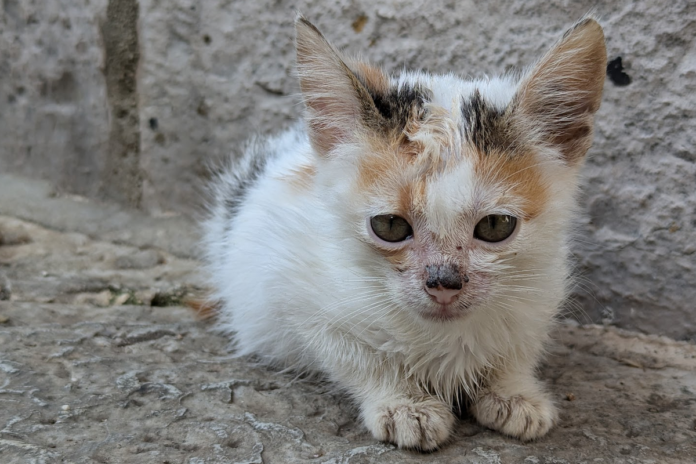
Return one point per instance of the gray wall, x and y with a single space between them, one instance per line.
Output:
130 101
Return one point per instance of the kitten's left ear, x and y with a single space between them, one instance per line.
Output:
557 99
334 88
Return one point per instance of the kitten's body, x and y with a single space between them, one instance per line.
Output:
305 283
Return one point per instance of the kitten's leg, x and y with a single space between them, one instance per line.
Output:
424 423
515 403
410 421
395 409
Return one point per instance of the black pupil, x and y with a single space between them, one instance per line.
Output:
391 228
495 228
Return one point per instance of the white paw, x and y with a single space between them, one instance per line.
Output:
517 416
423 425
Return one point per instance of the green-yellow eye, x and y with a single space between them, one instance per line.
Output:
391 228
495 228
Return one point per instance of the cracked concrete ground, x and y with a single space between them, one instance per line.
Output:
99 362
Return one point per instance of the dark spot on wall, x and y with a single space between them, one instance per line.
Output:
61 90
359 24
160 138
616 73
686 155
203 109
153 123
207 39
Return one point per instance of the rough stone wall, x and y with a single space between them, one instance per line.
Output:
54 119
212 73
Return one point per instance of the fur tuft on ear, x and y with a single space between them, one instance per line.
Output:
557 99
336 96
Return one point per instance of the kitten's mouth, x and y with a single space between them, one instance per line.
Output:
445 312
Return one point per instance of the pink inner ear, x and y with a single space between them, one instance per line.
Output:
324 137
333 93
560 95
331 121
332 108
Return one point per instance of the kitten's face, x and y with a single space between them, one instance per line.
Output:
447 217
463 189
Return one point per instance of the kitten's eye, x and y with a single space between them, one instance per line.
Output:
495 228
391 228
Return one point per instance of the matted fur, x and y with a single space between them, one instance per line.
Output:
305 285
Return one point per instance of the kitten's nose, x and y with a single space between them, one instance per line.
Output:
442 295
444 282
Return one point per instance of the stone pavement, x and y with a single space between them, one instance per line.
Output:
100 362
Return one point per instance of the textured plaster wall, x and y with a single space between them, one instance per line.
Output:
211 73
54 116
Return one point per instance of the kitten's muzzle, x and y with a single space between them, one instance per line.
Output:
444 282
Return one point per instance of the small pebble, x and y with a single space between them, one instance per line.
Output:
121 299
570 396
65 407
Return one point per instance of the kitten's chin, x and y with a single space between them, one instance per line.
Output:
444 313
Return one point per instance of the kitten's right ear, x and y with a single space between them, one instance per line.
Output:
559 96
336 100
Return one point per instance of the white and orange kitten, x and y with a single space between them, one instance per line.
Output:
410 238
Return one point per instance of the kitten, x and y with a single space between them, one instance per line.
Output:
410 239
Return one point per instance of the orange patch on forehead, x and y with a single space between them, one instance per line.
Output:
520 174
390 166
380 163
412 196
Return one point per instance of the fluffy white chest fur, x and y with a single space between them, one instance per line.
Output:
409 239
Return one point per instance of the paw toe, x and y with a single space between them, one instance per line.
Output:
423 426
517 416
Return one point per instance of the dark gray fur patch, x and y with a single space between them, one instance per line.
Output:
487 127
395 108
399 105
247 172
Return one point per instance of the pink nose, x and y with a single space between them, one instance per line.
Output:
443 295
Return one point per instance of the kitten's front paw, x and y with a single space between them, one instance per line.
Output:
517 416
421 425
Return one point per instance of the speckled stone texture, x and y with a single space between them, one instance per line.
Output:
54 113
101 363
212 73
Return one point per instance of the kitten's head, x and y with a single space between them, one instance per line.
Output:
462 189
